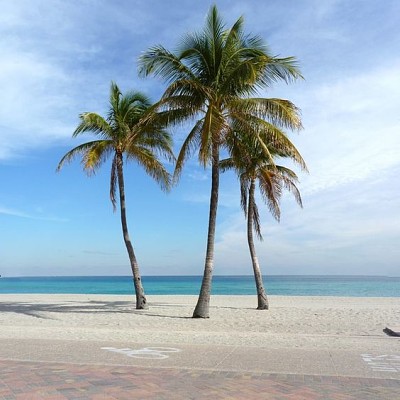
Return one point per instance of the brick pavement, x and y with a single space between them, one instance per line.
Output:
21 380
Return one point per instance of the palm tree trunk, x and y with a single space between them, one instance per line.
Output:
261 294
202 309
141 302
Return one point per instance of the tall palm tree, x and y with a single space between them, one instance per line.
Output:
252 165
210 79
124 133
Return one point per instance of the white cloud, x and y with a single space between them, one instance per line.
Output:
351 128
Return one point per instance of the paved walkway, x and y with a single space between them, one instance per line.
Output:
58 381
75 370
381 362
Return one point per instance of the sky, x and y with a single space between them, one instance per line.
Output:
57 59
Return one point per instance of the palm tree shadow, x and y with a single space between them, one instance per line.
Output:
50 311
42 310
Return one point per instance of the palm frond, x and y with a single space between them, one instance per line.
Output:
282 113
186 93
242 74
89 151
244 190
287 172
115 95
96 155
160 62
256 220
206 138
153 167
159 142
214 38
93 123
173 111
271 192
113 183
233 35
290 185
270 134
277 69
226 164
195 53
189 145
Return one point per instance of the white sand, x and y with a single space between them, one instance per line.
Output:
292 322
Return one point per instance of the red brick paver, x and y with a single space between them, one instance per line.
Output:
53 381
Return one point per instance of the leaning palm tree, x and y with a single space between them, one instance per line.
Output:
123 133
251 164
210 79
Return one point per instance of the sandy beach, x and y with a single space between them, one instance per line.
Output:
336 323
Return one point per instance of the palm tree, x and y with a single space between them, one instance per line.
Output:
252 165
123 133
210 79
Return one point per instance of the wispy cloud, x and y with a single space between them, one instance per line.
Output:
198 175
22 214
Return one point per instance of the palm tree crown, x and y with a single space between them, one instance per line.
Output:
212 76
123 132
251 164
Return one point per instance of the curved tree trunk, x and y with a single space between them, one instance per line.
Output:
202 309
141 302
261 294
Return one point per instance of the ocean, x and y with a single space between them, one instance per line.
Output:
288 285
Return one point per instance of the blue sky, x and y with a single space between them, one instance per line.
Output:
57 60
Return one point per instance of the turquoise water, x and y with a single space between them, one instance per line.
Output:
364 286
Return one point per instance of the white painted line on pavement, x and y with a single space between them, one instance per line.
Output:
383 363
153 353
